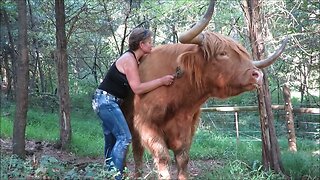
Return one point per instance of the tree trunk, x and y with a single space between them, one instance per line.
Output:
270 147
62 72
289 119
11 50
19 128
271 150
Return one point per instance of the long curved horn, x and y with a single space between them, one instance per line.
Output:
193 35
267 62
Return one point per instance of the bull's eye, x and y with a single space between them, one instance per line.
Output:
223 53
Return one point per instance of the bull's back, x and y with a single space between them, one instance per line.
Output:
161 61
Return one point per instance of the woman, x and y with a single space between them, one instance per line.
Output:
122 76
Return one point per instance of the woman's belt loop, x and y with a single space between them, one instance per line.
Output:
99 91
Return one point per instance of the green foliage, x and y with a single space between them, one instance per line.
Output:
242 160
97 32
301 164
240 170
48 167
40 123
209 145
244 99
91 171
13 167
46 102
81 104
6 118
229 21
217 146
238 160
6 127
92 138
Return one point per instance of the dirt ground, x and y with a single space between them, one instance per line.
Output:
37 149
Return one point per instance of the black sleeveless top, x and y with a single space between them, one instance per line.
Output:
115 82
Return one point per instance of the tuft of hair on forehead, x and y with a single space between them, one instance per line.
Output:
214 43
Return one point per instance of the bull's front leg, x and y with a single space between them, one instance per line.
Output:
181 147
137 150
152 139
182 159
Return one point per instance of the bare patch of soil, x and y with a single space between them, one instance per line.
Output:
37 149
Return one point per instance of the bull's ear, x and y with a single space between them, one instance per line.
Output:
186 60
192 63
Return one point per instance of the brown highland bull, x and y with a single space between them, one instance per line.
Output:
207 65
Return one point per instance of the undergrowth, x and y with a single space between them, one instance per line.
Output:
48 167
239 159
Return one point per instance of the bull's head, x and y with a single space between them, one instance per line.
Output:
236 68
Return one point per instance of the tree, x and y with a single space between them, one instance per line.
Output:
19 128
8 51
62 72
270 147
292 140
35 63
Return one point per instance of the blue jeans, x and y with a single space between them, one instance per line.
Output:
116 132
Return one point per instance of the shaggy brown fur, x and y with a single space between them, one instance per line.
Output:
167 117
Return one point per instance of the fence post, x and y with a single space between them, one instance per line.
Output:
289 119
237 124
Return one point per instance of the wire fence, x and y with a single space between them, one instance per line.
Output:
246 124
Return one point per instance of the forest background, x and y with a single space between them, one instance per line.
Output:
96 33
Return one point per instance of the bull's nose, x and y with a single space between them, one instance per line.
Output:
258 76
255 74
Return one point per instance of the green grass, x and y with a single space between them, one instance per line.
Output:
239 170
6 127
301 164
87 137
239 160
40 123
242 160
208 144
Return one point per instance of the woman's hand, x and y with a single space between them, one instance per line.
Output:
167 80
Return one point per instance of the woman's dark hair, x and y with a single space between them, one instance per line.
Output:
137 35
